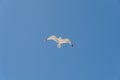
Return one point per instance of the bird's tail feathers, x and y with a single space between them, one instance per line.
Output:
58 45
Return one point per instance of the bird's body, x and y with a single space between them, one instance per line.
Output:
59 40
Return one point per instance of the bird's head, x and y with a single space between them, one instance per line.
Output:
60 37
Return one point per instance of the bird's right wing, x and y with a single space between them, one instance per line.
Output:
53 37
66 40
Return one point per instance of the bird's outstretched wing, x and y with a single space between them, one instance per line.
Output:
66 40
53 37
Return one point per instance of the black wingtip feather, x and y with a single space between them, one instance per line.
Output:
72 45
46 40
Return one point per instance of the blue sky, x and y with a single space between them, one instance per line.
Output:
92 25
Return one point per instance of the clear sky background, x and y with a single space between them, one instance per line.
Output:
92 25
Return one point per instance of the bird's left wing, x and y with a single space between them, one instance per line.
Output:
53 37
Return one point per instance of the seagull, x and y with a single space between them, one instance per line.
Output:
59 41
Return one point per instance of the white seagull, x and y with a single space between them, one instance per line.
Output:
59 40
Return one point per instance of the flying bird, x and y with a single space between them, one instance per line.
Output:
59 41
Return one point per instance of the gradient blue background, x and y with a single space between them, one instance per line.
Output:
92 25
